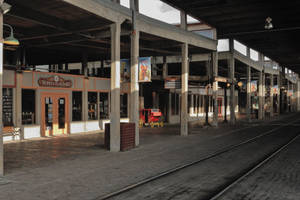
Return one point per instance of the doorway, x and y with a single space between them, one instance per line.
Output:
55 114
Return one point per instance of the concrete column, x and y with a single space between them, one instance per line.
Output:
85 113
1 86
165 68
184 90
278 93
248 108
115 88
232 85
298 95
18 109
271 96
287 97
134 86
263 94
84 64
260 95
215 88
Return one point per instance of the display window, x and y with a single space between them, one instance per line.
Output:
76 106
123 105
7 106
92 106
28 106
104 106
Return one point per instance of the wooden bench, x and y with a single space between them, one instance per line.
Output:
11 131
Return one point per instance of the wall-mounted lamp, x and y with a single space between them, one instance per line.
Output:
11 40
5 8
268 24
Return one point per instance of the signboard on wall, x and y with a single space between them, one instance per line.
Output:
145 69
172 83
55 81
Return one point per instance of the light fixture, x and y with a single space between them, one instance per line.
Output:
268 24
11 40
5 8
240 84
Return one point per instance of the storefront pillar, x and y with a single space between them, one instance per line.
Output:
260 95
165 67
215 88
248 108
1 86
115 88
232 85
271 95
134 86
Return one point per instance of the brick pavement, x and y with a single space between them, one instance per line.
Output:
78 167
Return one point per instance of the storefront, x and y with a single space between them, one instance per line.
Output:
50 104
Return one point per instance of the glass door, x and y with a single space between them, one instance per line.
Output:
55 119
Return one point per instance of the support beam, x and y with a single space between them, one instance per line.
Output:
271 95
115 88
298 95
215 88
260 96
184 91
134 84
287 97
278 93
1 86
248 108
231 66
263 95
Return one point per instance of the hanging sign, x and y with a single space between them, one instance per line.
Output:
54 81
125 70
253 86
275 89
145 69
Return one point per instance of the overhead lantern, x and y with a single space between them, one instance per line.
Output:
268 24
11 40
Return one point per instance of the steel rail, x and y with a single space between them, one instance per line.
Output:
253 169
181 167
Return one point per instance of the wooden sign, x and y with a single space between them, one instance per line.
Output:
55 81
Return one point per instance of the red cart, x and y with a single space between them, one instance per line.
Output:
151 117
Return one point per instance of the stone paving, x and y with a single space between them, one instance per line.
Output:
78 167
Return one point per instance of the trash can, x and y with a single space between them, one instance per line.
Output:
127 136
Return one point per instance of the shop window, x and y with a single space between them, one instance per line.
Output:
104 108
123 106
7 107
28 106
92 106
76 106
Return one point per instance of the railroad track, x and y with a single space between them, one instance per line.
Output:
224 188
